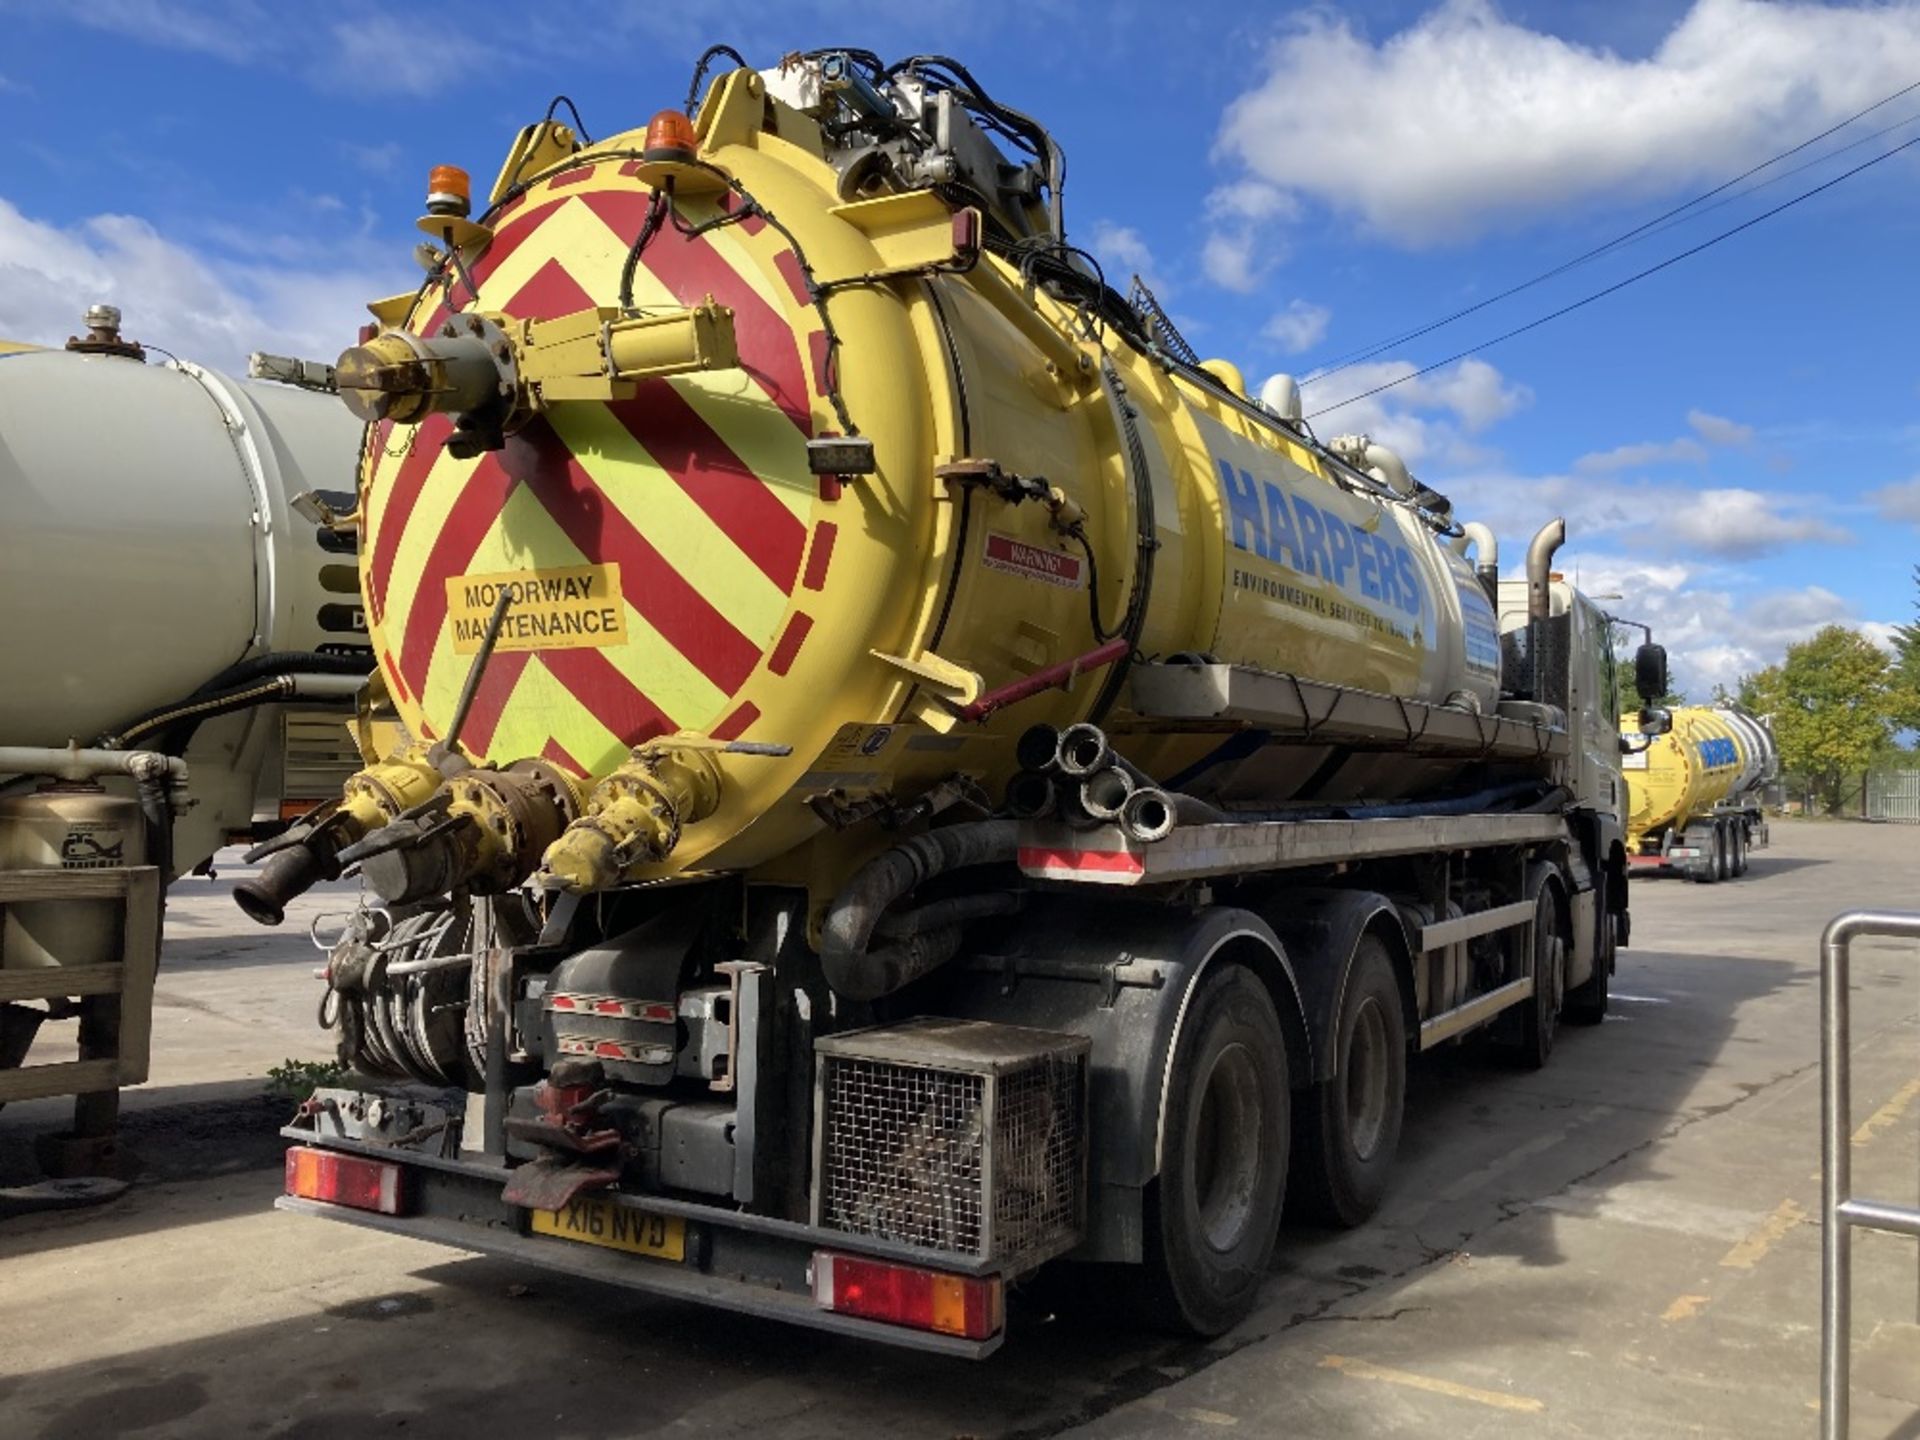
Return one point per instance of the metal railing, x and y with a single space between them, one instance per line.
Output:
1894 796
1840 1210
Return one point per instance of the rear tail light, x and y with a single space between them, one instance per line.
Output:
346 1180
968 1306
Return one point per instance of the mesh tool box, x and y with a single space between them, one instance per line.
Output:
953 1135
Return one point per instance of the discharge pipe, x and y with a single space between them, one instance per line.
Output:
1540 555
1486 556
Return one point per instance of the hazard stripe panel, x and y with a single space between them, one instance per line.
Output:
692 497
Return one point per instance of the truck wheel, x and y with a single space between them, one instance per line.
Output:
1540 1016
1738 832
1706 869
1723 845
1349 1126
1586 1004
1213 1214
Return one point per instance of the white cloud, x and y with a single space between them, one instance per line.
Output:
1716 430
235 30
1899 501
1883 633
1233 259
1652 519
1251 200
1467 121
1741 524
1124 252
1634 457
200 307
1246 240
385 53
381 159
1299 327
1714 635
1429 419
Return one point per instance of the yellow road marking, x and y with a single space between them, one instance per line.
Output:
1684 1307
1769 1233
1366 1370
1889 1113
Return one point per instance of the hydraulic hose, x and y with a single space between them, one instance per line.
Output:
286 662
861 973
194 711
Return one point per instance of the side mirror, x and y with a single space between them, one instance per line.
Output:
1655 721
1650 673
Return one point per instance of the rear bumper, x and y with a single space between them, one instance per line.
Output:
748 1263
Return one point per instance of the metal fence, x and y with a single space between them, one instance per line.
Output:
1894 795
1841 1211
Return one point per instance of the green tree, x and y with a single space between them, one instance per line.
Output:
1833 701
1906 666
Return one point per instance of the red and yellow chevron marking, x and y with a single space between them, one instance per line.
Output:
697 489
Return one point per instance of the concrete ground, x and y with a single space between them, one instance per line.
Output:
1624 1244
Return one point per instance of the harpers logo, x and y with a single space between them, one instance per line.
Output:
1289 530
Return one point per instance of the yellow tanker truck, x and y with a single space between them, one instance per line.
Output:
904 774
1693 794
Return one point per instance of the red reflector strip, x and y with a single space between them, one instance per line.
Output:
971 1307
347 1180
659 1011
1121 865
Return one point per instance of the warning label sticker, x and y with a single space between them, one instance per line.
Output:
574 607
1032 562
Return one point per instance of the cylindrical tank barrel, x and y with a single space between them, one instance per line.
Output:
677 566
1712 754
149 540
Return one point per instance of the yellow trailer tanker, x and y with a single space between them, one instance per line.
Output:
1693 801
796 577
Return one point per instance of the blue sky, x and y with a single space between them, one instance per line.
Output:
1733 441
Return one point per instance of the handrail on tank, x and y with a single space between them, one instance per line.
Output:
1840 1210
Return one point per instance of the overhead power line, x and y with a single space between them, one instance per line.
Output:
1801 168
1355 357
1586 300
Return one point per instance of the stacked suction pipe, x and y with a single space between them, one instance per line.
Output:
1076 776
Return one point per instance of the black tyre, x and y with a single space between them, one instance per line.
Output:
1540 1016
1723 841
1586 1003
1707 868
1213 1214
1738 834
1348 1129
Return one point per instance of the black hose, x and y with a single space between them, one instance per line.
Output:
707 57
946 914
286 662
179 721
859 973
